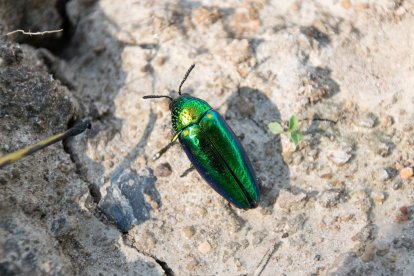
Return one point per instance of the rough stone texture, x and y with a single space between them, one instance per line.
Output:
32 106
341 66
45 225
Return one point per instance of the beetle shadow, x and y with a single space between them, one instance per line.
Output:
119 194
249 111
124 203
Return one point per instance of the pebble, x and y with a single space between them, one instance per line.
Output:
204 17
163 170
362 6
386 121
160 61
297 158
245 243
204 247
290 201
406 173
146 68
245 106
230 249
3 180
64 226
154 205
150 242
259 236
244 21
188 231
295 6
304 101
339 157
295 224
325 173
346 4
192 264
367 120
397 185
382 175
151 264
239 50
15 174
100 109
243 69
382 248
410 139
369 253
313 155
329 198
379 144
314 87
403 242
403 215
362 201
363 235
409 126
378 197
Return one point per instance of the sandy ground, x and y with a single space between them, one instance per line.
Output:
339 204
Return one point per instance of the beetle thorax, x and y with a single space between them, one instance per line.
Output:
187 110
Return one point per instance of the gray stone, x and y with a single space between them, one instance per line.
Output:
339 157
367 120
329 198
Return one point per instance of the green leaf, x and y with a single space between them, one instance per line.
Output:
275 128
293 123
296 137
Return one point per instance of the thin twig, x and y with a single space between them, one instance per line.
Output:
36 33
266 258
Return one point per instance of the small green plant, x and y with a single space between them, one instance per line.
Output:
292 129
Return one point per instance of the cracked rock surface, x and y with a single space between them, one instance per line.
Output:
99 203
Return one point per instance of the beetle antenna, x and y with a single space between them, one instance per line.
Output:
157 96
185 77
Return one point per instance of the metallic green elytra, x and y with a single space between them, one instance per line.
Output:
213 149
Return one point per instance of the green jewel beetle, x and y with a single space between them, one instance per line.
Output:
213 148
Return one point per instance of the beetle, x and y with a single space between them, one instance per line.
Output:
213 148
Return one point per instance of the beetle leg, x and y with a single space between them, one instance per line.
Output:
187 171
167 147
175 137
162 151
